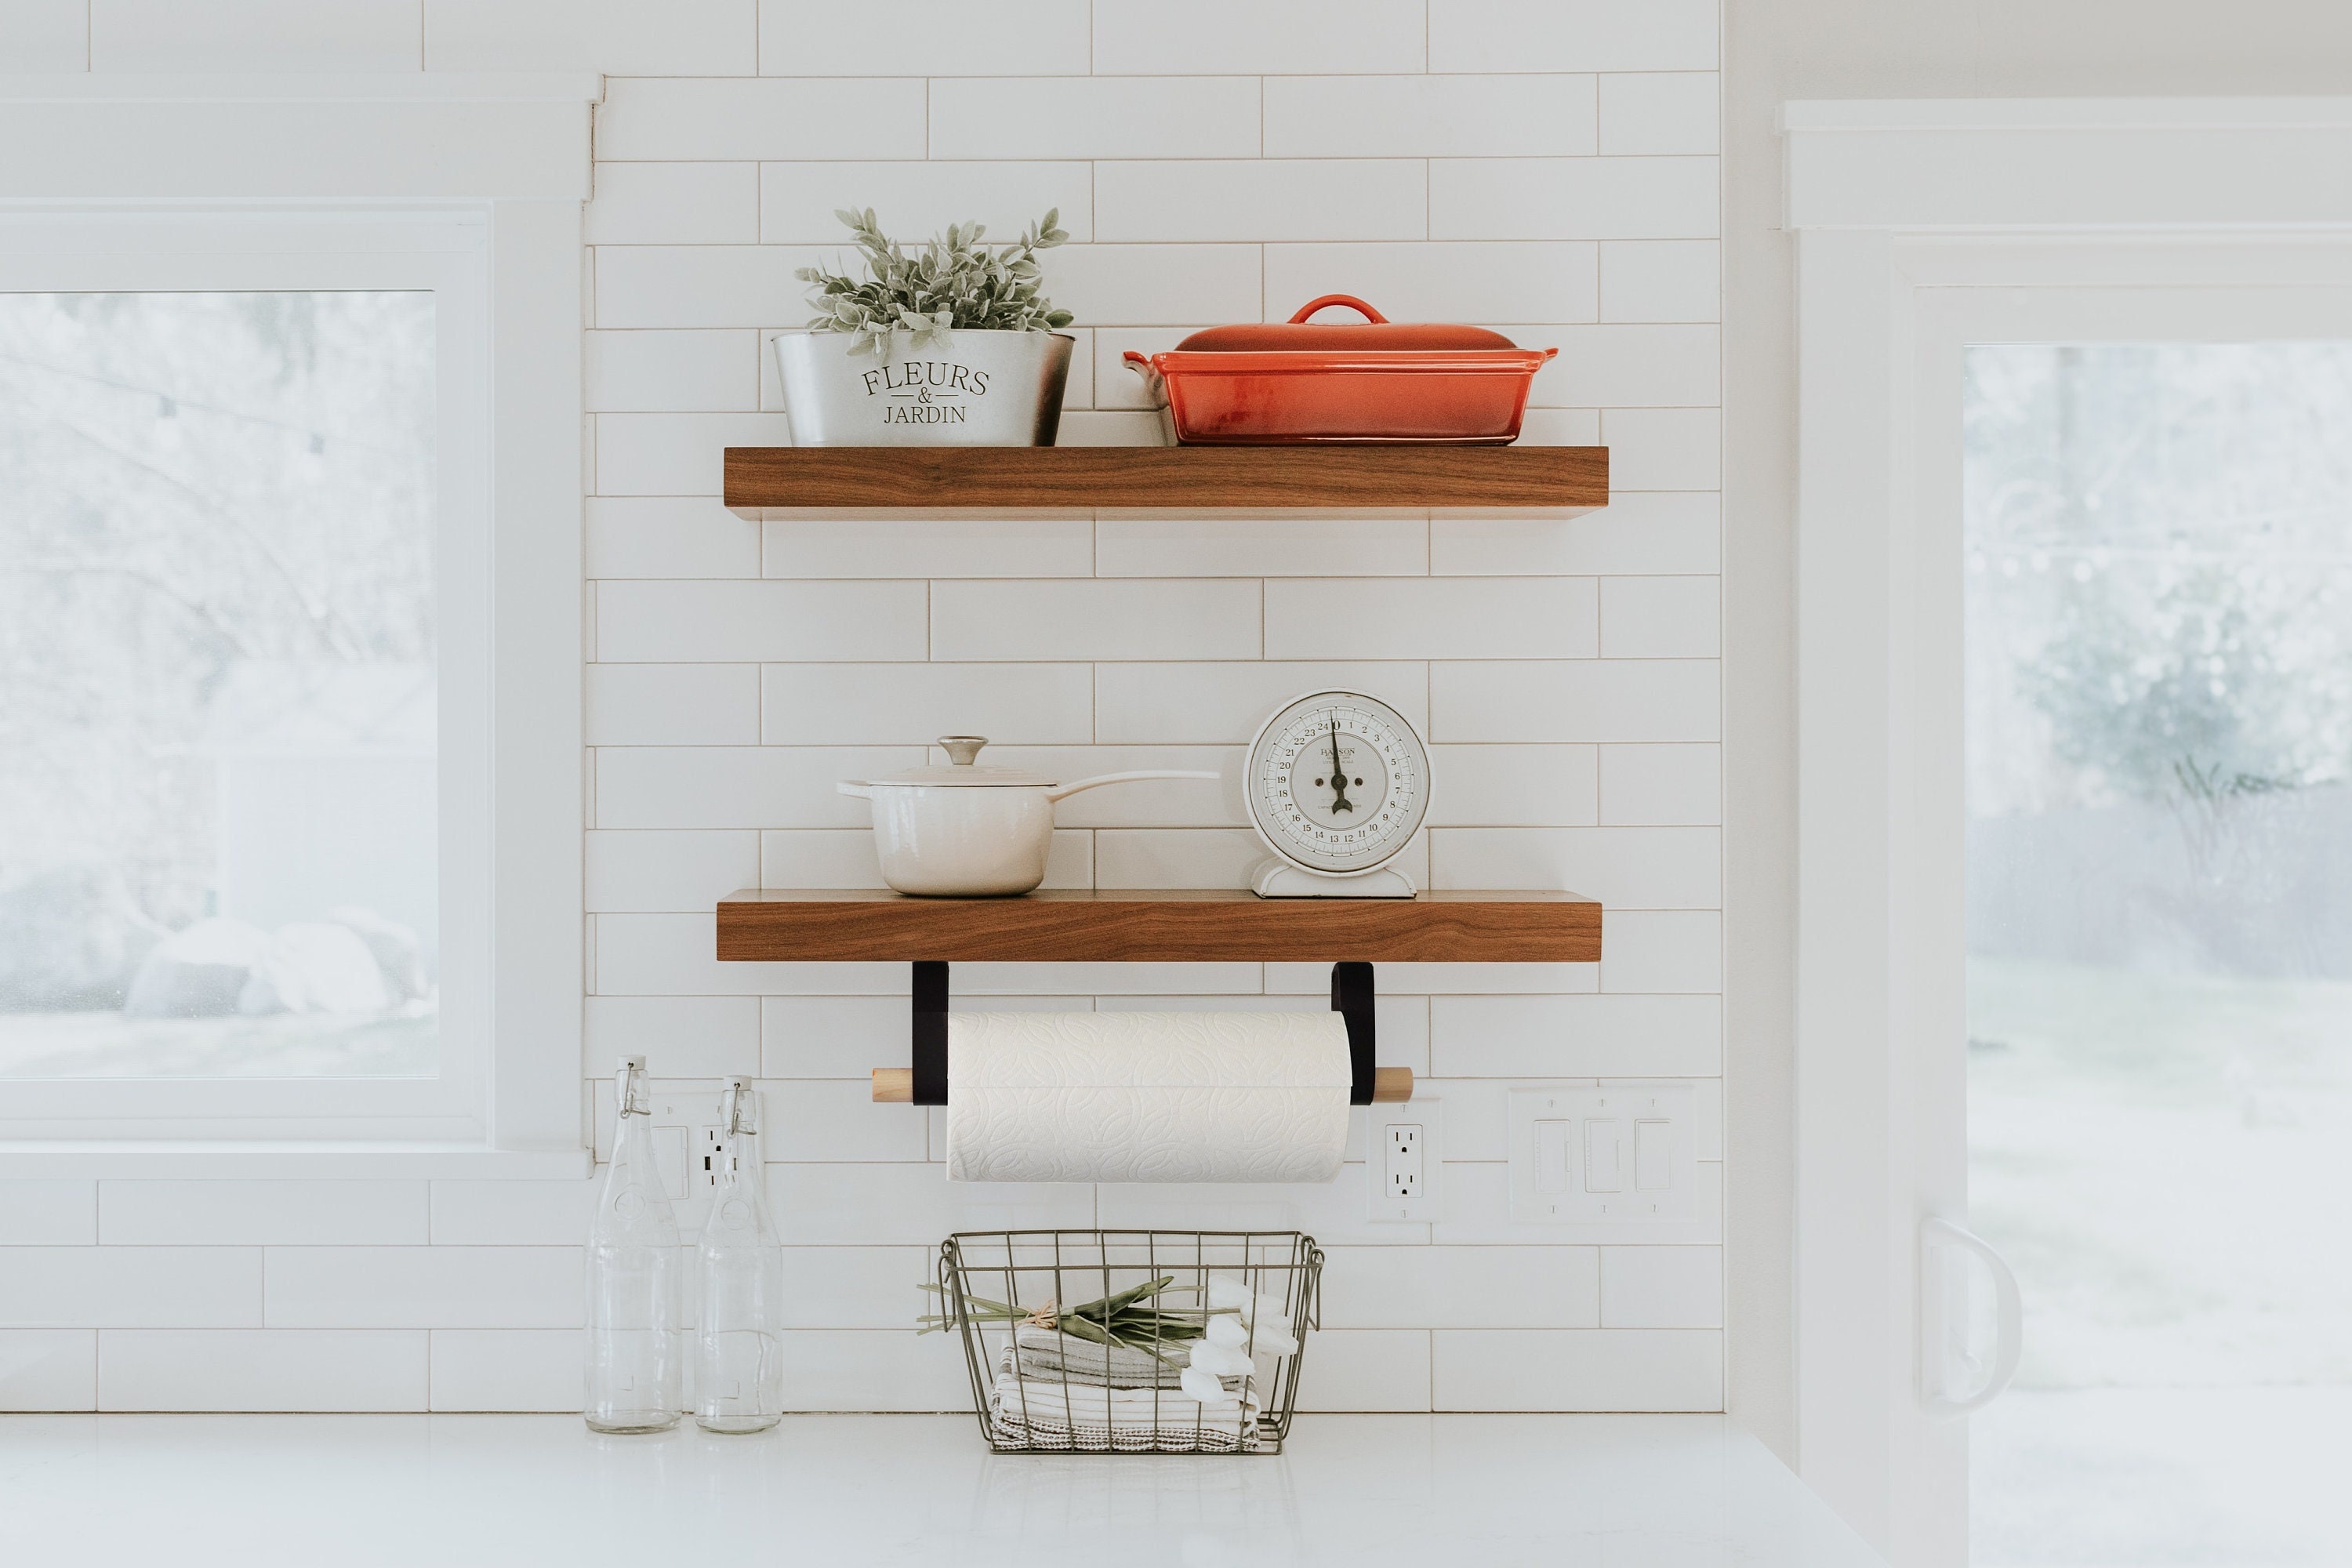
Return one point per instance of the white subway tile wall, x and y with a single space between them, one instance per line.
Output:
1544 167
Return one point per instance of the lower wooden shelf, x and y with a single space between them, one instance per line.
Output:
1337 475
1157 926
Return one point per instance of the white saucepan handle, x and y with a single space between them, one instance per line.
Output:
1938 1237
1124 778
863 792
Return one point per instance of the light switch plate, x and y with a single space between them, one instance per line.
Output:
1406 1140
1617 1151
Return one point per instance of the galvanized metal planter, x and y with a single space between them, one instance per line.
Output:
984 389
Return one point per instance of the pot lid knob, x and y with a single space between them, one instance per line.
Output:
964 750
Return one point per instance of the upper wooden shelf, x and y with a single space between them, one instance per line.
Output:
1158 926
1167 477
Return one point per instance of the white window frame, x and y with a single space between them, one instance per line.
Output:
1920 226
471 187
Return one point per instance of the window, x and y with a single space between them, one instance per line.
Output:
289 523
218 848
2159 542
243 743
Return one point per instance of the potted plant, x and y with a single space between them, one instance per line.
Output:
948 346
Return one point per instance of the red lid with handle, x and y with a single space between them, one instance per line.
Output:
1375 331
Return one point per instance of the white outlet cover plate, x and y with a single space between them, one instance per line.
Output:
1591 1120
1428 1114
683 1112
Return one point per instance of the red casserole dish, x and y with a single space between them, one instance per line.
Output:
1376 380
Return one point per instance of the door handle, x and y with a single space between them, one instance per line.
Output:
1938 1237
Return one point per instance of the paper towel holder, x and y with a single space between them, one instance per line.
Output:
926 1082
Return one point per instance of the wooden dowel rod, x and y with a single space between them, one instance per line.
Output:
896 1086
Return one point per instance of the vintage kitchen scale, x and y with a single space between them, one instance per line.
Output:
1337 783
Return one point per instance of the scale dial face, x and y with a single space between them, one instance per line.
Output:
1338 781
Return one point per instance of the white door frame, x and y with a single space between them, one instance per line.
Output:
1894 206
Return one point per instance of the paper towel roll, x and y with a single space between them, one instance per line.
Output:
1147 1096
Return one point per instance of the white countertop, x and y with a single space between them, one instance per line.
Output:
849 1490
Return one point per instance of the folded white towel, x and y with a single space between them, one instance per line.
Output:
1029 1412
1039 1400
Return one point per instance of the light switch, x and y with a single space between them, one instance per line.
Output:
1552 1156
1653 1146
1604 1156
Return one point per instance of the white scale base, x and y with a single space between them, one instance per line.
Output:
1279 880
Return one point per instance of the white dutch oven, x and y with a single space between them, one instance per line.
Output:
964 831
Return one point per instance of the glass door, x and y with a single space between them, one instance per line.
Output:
2156 569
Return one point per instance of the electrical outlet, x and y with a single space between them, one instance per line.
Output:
1401 1156
684 1124
669 1158
1404 1161
711 1160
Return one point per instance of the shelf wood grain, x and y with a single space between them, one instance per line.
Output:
1157 926
1209 478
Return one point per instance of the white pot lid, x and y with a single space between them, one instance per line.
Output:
964 771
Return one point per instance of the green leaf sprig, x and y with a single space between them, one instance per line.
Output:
952 281
1132 1319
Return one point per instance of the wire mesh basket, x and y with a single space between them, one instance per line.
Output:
1041 1382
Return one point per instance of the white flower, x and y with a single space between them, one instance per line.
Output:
1224 1292
1261 1322
1201 1384
1271 1339
1224 1361
1265 1338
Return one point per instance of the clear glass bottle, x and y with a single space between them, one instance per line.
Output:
634 1265
740 1347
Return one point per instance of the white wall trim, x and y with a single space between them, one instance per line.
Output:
420 137
1900 211
303 87
2071 164
1868 115
152 1160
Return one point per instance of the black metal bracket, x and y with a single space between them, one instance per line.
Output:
930 1040
1352 998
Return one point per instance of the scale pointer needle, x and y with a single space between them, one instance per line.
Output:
1340 801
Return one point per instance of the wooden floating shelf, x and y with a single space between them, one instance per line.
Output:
1177 478
1157 926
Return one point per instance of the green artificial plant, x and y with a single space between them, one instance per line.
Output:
952 281
1132 1318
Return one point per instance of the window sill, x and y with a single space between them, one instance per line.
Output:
61 1159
